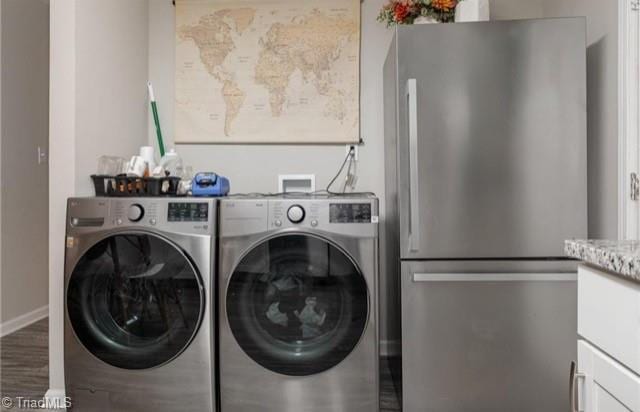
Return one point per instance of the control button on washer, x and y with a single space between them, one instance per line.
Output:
278 223
153 221
136 213
314 223
296 214
118 221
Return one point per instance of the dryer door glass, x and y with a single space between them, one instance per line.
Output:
297 305
135 301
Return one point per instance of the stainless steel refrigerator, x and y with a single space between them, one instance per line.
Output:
486 176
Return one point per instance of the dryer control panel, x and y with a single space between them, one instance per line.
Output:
350 216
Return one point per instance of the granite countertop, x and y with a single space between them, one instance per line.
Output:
620 257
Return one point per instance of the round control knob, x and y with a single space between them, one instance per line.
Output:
296 214
136 213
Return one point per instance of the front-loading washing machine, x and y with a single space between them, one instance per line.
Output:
298 304
139 304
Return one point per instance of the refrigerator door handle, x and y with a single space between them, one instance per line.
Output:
414 191
494 277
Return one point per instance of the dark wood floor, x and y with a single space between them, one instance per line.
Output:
390 385
24 363
24 369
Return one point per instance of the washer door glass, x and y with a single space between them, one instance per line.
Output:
297 305
135 301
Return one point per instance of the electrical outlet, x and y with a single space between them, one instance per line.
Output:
355 149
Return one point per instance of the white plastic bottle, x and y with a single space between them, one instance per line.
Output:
172 162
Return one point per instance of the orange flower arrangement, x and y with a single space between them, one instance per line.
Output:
444 5
406 11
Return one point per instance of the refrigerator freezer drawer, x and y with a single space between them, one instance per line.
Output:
487 341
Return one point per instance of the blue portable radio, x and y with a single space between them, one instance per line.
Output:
210 185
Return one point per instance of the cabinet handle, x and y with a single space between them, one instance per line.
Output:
574 375
572 381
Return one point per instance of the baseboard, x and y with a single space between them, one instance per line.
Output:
22 321
56 399
389 348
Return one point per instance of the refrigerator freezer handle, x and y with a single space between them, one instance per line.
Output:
414 191
494 277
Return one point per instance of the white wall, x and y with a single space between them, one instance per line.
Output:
239 162
25 113
111 76
602 103
516 9
98 106
62 142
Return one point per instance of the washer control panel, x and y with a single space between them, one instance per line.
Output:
175 215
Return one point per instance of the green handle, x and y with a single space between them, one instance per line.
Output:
156 120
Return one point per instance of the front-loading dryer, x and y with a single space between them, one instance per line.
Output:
139 304
298 304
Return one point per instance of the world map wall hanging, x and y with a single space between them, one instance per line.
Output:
274 71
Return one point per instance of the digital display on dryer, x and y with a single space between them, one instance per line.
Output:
350 213
188 212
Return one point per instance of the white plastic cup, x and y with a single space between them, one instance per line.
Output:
137 167
148 154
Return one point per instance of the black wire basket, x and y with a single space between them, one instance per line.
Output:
127 186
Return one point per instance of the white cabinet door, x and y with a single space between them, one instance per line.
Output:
606 402
609 315
604 384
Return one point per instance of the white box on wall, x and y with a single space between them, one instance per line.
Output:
296 183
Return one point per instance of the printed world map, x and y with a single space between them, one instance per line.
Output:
256 71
